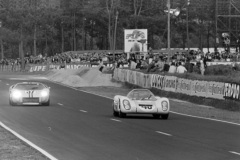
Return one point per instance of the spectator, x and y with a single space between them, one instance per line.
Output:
181 69
159 65
138 66
144 64
101 66
151 66
202 67
189 66
172 68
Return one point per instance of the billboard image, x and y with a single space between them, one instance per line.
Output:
135 40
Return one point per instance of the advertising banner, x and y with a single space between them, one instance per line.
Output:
147 80
135 40
158 81
215 90
231 91
199 88
38 68
132 77
184 86
139 79
170 83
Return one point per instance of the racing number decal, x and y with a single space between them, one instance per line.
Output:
30 93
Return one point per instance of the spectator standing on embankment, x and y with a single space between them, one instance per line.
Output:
202 67
101 65
189 66
181 69
172 68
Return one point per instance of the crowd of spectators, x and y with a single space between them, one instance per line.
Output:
180 62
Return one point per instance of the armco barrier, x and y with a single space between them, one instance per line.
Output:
41 68
13 68
208 89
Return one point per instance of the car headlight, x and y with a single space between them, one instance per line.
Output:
44 93
164 105
16 94
126 104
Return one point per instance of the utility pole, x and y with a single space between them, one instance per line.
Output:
21 49
115 33
2 55
169 33
216 24
62 36
35 30
74 31
188 3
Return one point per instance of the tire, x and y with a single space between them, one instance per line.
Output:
47 103
122 115
156 116
115 114
165 116
10 102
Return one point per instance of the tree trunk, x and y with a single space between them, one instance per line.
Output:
208 36
62 39
2 54
35 40
46 43
21 49
109 32
74 31
83 34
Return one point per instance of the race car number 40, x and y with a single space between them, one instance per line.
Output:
147 107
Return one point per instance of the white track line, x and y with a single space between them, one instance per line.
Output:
7 84
164 133
20 79
116 120
83 111
234 153
28 142
170 111
60 104
205 118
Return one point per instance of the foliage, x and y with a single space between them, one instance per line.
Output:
90 24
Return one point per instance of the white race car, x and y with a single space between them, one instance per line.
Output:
141 101
29 93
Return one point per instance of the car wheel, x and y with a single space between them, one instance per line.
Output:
115 114
122 115
156 116
10 102
165 116
47 103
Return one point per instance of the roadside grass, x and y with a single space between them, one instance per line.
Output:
12 148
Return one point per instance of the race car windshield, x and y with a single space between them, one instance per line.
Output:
29 87
141 95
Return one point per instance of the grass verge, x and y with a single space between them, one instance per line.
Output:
12 148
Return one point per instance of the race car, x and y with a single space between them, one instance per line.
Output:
141 101
29 93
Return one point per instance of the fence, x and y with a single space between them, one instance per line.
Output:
208 89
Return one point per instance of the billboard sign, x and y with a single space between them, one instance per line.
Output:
135 40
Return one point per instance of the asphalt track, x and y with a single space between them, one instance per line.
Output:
80 126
